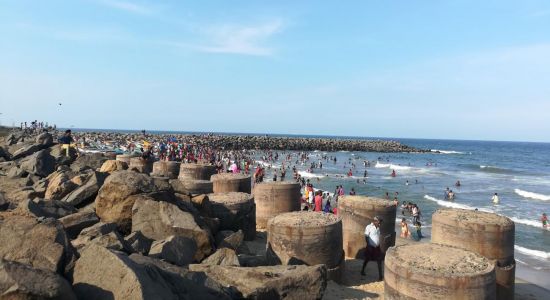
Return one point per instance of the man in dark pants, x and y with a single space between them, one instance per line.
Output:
373 252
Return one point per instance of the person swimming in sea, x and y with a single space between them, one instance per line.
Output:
496 199
393 174
544 220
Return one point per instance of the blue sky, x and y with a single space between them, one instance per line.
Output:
425 69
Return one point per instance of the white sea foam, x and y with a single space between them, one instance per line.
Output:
532 195
527 222
306 174
392 166
532 253
446 151
452 204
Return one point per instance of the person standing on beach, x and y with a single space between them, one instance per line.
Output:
405 229
318 202
372 251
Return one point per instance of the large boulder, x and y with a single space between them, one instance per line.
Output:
86 192
88 161
177 250
42 245
20 281
112 165
229 239
59 185
158 220
105 274
113 201
40 163
76 222
90 233
273 282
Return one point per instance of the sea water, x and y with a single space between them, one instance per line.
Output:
518 172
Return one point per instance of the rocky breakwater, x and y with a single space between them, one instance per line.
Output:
258 142
85 228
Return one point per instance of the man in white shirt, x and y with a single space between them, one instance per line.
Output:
373 252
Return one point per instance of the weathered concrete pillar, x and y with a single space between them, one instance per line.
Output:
198 186
309 238
359 211
273 198
194 171
433 271
141 165
235 211
125 158
229 182
170 169
487 234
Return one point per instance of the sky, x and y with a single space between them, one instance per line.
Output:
452 69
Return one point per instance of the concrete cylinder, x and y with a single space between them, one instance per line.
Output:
141 165
433 271
274 198
194 171
309 238
170 169
198 186
359 211
229 182
125 158
235 211
487 234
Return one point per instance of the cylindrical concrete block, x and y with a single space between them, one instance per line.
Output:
125 158
141 165
194 171
170 169
198 186
229 182
433 271
359 211
274 198
235 211
309 238
487 234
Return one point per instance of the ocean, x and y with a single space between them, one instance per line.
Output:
518 171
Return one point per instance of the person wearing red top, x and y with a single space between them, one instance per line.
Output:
318 202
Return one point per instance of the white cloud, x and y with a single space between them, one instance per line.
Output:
128 6
238 39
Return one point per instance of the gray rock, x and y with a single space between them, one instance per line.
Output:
40 163
88 161
45 139
113 241
92 232
274 282
87 192
19 281
76 222
26 151
229 239
138 242
42 245
105 274
158 220
16 172
222 257
45 208
177 250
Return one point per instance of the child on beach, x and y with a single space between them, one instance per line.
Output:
418 227
405 229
